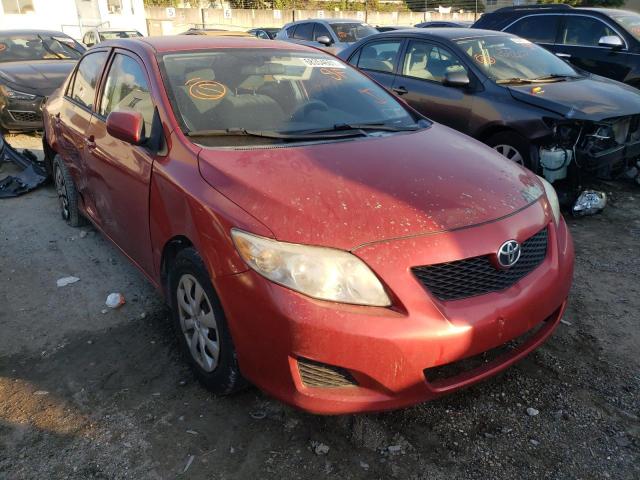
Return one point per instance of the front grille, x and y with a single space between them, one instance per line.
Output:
24 116
478 275
316 374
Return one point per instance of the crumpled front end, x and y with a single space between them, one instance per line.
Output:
604 148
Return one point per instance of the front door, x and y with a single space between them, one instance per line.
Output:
578 44
420 83
120 172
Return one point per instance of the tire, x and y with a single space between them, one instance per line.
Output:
513 146
217 371
67 194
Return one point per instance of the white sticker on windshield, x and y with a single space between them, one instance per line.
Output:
322 63
520 40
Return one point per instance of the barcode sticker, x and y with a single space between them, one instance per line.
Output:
322 63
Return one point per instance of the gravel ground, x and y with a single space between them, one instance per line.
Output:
86 394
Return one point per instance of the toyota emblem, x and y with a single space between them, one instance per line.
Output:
509 253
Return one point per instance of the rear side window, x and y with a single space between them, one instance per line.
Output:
126 89
304 32
380 56
538 28
83 89
291 30
584 31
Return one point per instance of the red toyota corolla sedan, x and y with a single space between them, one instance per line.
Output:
312 234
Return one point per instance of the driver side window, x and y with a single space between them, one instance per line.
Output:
429 62
126 88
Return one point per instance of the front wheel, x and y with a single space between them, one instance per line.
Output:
512 146
201 325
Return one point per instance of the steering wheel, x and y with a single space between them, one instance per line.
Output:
304 110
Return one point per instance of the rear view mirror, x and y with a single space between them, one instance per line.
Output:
323 39
126 126
456 79
611 41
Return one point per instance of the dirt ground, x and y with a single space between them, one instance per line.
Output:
86 394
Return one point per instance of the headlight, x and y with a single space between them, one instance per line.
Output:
552 198
318 272
15 94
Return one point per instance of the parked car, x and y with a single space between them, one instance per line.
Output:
332 35
602 41
511 94
33 63
216 32
443 24
265 33
311 233
390 28
97 35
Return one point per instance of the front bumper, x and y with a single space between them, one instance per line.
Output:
21 115
387 350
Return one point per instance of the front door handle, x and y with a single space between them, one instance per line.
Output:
563 55
400 90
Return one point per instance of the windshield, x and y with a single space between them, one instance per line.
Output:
630 21
121 34
15 48
505 58
352 32
280 91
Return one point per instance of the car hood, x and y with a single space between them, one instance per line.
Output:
41 77
585 99
348 193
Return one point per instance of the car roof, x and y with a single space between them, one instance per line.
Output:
23 31
453 33
117 29
177 43
327 20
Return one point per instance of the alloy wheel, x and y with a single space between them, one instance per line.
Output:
198 322
510 152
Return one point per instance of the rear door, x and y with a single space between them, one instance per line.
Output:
73 120
542 29
379 59
420 83
120 173
578 43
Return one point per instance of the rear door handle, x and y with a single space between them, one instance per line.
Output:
400 90
563 55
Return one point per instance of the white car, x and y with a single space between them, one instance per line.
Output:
97 35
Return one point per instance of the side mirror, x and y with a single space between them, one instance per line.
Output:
126 126
456 79
611 41
324 40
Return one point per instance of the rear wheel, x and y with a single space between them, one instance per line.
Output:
201 325
67 194
512 146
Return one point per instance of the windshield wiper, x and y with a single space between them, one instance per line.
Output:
554 77
362 127
271 134
513 80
